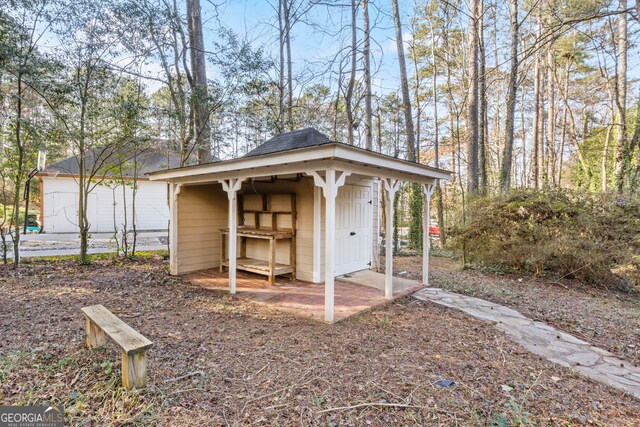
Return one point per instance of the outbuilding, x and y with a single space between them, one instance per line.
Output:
300 205
113 176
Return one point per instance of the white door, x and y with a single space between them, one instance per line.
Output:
353 229
61 214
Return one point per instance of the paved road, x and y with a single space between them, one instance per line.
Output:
47 245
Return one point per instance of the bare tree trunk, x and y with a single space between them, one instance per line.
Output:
348 99
336 105
450 108
607 140
551 119
20 170
436 135
542 156
287 26
537 114
523 124
281 107
507 157
366 53
472 107
622 157
406 99
416 94
565 111
201 93
482 104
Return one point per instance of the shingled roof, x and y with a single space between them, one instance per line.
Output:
105 161
308 137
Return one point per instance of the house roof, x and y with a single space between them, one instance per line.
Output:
308 137
319 155
105 161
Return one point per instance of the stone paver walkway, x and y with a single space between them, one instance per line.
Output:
544 340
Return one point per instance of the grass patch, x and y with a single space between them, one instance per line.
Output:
107 256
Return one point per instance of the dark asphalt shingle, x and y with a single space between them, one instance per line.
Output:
104 162
308 137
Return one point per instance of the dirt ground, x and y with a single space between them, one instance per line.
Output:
607 319
219 360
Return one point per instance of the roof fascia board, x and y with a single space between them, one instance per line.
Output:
320 165
302 155
380 172
380 160
258 172
303 158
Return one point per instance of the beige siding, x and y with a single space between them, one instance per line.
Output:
202 212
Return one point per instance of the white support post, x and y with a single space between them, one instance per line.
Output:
426 242
174 192
329 185
392 186
231 186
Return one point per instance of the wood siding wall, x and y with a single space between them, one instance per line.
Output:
202 212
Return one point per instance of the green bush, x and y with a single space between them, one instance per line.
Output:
594 238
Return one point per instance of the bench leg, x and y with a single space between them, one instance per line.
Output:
134 369
95 336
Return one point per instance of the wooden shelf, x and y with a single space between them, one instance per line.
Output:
271 233
260 266
259 233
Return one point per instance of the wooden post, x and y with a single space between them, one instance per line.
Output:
272 260
426 242
317 233
134 369
392 186
95 336
330 185
231 186
174 191
223 244
329 244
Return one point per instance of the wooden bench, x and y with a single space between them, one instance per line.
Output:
102 323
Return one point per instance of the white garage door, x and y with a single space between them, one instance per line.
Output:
353 228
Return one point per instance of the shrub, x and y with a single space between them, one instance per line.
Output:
591 237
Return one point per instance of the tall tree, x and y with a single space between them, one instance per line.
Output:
538 116
482 105
286 9
473 100
366 53
404 83
199 72
551 119
507 157
622 156
348 98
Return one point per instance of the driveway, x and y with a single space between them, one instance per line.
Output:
45 245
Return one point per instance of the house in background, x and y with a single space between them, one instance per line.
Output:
106 204
299 205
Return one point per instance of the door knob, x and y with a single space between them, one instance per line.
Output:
353 233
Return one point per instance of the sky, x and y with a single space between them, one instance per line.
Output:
256 20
